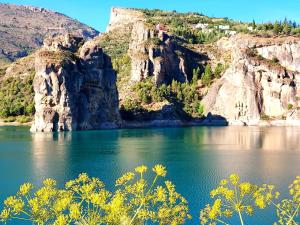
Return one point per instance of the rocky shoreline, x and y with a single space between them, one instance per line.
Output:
193 123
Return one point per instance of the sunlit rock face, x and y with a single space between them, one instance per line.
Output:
122 17
262 80
75 87
157 55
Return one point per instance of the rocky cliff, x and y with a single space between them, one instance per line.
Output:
156 54
262 81
75 87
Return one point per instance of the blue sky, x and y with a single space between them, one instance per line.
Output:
96 12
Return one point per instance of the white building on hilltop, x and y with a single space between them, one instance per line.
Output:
224 27
201 26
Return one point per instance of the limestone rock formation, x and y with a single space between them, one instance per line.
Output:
155 54
122 17
262 80
75 87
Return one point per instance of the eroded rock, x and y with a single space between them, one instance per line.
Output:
256 84
75 87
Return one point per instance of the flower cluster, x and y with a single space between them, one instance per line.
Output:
85 201
288 209
235 197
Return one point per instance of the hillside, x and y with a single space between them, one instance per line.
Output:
182 68
23 28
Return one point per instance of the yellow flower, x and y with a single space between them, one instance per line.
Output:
75 211
125 178
260 202
25 188
83 177
160 170
141 169
245 188
234 178
5 214
61 220
223 182
49 182
160 194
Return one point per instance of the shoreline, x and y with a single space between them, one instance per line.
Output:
179 123
15 124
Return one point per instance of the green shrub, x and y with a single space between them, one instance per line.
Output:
17 97
9 119
24 119
265 117
290 106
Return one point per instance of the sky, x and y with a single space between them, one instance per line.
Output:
95 13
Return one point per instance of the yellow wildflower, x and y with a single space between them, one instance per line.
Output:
141 169
160 170
25 188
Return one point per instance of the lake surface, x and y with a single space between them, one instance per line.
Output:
196 158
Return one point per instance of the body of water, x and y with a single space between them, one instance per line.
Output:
197 158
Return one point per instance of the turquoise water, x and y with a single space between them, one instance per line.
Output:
196 158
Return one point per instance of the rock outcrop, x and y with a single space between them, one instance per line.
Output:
261 83
121 18
75 87
154 53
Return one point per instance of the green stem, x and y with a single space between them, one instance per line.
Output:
294 214
222 221
241 218
139 208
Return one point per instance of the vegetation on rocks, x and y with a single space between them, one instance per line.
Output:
17 97
184 96
141 197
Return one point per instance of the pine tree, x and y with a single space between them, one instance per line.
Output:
277 28
253 25
207 76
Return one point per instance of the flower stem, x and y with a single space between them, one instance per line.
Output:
241 218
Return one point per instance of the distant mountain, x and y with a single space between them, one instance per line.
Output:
23 28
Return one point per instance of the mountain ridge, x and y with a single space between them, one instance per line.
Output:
23 29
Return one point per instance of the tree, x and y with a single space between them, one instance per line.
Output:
277 28
253 25
196 73
218 70
207 76
287 28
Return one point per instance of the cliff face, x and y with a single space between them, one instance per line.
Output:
153 54
121 18
262 80
75 87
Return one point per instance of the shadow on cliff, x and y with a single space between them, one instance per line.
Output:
193 59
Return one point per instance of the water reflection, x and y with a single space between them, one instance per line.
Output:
50 155
196 158
254 138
